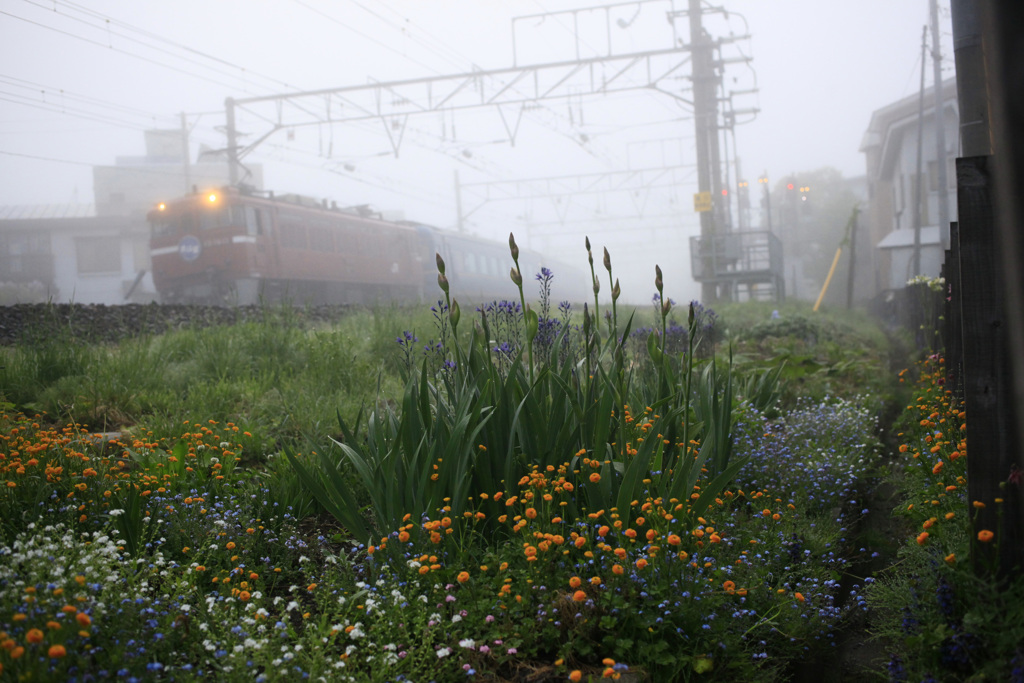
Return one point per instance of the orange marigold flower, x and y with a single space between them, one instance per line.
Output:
673 539
56 651
978 504
531 513
244 596
641 563
922 537
595 477
617 569
403 536
595 581
938 467
630 533
230 545
463 577
34 636
729 586
576 676
83 619
799 596
581 541
951 559
603 531
985 535
575 582
579 596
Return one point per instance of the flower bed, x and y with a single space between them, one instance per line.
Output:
147 559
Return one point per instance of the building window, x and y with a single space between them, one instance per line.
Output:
95 255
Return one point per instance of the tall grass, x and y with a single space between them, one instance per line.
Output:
481 414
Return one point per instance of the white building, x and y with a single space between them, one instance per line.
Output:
890 148
99 253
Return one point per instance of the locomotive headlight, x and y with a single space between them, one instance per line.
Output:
161 207
212 198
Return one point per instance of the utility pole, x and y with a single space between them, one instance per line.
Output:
459 221
919 186
229 110
940 128
705 114
767 198
185 161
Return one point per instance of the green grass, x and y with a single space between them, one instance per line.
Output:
278 377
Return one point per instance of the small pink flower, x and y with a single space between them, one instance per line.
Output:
489 618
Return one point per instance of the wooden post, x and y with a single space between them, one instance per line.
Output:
1003 32
953 340
987 377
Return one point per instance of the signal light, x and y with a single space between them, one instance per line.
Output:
161 207
725 193
212 198
789 186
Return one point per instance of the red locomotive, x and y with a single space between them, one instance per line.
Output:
229 246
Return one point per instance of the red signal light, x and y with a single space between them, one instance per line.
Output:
725 193
789 186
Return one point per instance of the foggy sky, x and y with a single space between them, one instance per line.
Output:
822 67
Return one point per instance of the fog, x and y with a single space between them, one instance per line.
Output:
82 81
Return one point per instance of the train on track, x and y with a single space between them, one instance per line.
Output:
231 246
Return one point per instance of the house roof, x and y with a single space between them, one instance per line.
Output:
31 211
890 123
904 237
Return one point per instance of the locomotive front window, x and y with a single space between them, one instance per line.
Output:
214 218
164 225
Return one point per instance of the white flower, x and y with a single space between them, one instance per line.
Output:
443 652
468 643
116 513
456 619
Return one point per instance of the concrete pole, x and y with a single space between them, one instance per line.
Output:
919 185
941 153
459 222
229 109
185 161
703 101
